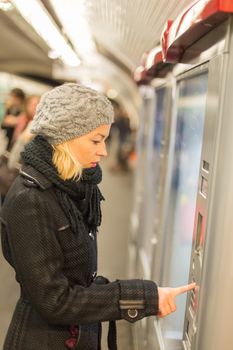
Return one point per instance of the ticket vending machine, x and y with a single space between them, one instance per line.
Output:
200 44
142 148
182 184
205 321
153 163
203 324
154 172
208 314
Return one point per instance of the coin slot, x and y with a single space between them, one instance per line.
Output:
198 233
204 186
187 328
205 166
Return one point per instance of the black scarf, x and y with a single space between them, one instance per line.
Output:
81 199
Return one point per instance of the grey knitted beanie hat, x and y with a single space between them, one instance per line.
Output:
69 111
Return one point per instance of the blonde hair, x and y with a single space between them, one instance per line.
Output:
67 166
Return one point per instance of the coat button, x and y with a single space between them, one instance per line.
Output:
91 235
132 313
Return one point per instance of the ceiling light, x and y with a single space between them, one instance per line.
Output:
73 16
53 54
37 16
5 5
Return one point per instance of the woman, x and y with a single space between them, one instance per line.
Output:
21 136
14 107
26 116
50 220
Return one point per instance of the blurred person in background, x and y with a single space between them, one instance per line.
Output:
25 116
14 106
121 128
49 225
10 161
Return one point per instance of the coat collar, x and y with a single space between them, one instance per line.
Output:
31 174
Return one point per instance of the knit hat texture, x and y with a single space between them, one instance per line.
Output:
69 111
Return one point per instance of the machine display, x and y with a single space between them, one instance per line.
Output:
183 188
153 173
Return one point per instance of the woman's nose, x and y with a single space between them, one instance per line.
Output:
103 151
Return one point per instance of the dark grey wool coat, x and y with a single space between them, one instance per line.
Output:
56 269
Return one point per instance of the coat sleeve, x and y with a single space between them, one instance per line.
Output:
39 262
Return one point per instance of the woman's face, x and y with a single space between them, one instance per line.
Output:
30 106
88 149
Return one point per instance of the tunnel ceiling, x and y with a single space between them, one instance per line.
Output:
22 50
126 28
121 31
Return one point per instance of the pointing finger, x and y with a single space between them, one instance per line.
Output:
183 289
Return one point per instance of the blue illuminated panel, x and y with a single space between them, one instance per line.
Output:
182 197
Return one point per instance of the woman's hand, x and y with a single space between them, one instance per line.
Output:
167 298
10 120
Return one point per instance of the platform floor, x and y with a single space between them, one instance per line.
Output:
113 239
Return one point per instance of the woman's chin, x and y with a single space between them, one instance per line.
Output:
89 166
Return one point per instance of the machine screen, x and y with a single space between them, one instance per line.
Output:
153 164
183 190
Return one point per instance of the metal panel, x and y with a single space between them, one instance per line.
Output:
154 338
187 70
137 269
182 196
152 190
214 322
153 195
147 111
212 302
161 182
191 328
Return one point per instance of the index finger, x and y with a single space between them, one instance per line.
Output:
183 289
